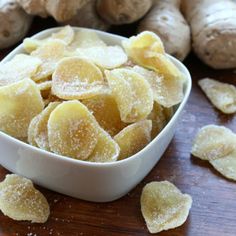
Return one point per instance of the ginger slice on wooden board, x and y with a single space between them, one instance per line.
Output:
163 206
133 138
221 95
213 142
19 200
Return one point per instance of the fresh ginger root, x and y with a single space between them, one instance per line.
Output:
213 26
118 12
166 20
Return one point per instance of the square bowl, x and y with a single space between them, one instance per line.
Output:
97 182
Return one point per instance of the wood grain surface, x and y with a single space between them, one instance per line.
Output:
214 198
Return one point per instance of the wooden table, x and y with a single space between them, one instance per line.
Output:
214 198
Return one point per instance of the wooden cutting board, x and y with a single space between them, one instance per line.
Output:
214 198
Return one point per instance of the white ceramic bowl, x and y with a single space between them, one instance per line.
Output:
97 182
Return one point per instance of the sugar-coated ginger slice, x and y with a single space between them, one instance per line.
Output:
19 103
41 126
86 39
51 52
32 131
106 112
221 95
72 130
45 88
226 165
77 78
147 50
31 44
132 93
167 90
19 200
66 34
158 118
213 142
108 57
106 149
163 206
20 67
133 138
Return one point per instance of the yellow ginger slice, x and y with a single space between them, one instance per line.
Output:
19 103
45 88
167 90
20 67
72 130
106 149
106 112
133 138
77 78
163 206
39 124
213 142
146 49
108 57
221 95
226 165
32 131
86 39
19 200
51 52
132 93
66 34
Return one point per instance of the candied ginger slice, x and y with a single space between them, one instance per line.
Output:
66 34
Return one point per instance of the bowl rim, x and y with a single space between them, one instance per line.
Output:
44 33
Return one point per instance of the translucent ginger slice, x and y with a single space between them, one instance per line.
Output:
106 112
164 206
19 200
72 130
32 131
213 142
77 78
226 165
86 39
108 57
221 95
20 67
167 90
146 49
132 93
106 149
19 103
40 126
51 52
158 118
66 34
133 138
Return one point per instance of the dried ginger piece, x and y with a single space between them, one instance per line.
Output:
77 78
66 35
226 165
106 112
147 50
19 200
158 118
167 90
18 68
164 206
106 149
221 95
39 127
133 138
213 142
108 57
19 103
132 93
51 52
72 130
32 131
86 39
